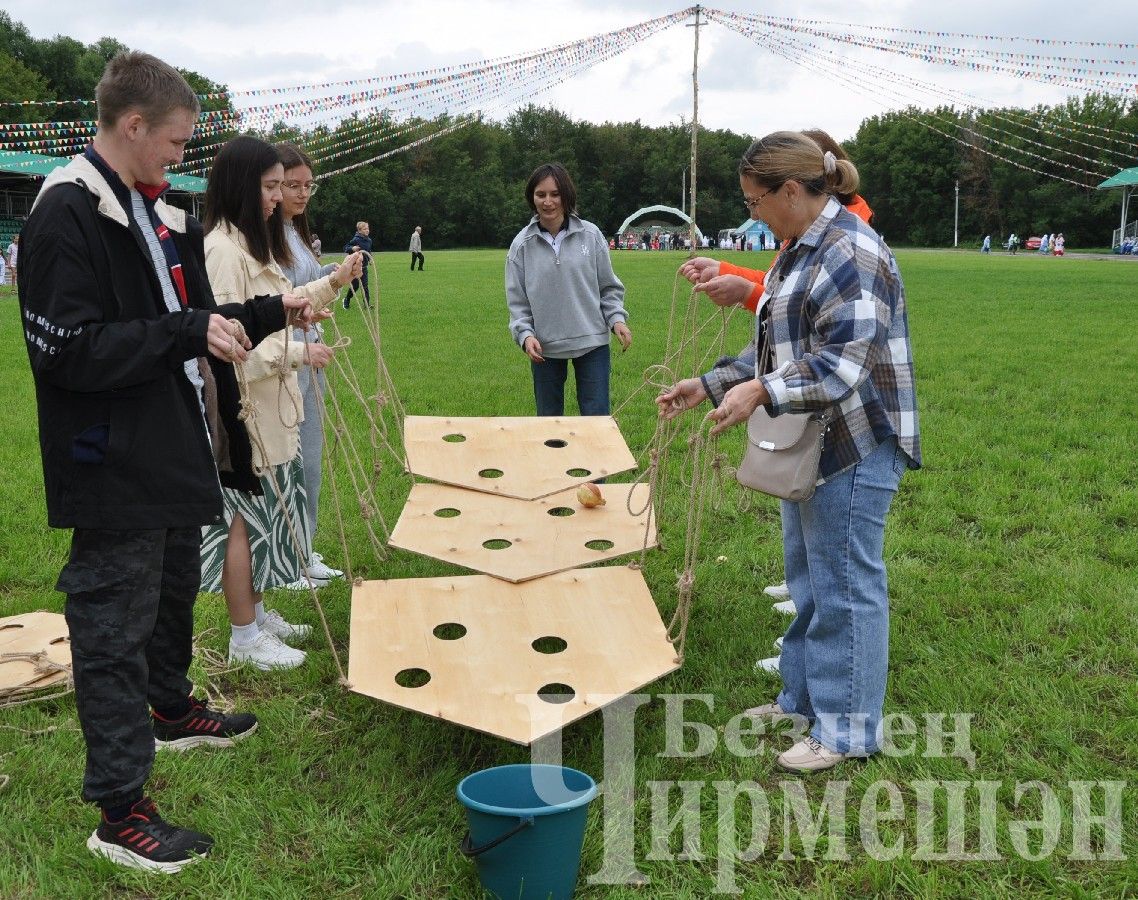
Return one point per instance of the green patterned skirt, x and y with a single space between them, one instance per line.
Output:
276 561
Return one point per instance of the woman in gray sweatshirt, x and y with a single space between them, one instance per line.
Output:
563 296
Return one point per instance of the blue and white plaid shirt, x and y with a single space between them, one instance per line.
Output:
835 307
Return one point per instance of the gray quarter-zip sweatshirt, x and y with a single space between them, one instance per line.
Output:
570 300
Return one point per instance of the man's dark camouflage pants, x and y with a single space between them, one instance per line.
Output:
130 614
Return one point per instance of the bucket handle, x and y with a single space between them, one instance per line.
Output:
468 849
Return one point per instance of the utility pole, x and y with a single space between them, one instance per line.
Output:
694 121
956 218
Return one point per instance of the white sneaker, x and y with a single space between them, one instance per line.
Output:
786 607
275 623
303 584
777 644
769 664
318 570
266 652
778 591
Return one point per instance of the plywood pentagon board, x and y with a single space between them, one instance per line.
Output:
525 457
34 651
522 539
485 654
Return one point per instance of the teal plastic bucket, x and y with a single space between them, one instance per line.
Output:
527 825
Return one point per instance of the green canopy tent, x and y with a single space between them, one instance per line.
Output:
21 175
1127 179
15 163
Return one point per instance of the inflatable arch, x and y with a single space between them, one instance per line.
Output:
671 210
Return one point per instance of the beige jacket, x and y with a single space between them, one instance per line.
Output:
236 276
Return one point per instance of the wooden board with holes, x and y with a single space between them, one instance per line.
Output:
482 653
28 634
525 457
522 539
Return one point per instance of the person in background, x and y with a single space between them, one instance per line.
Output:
729 285
835 313
361 241
563 297
301 266
130 356
13 258
263 540
1059 245
986 246
417 247
316 246
1045 244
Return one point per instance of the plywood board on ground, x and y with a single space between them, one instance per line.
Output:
525 457
479 640
34 651
522 539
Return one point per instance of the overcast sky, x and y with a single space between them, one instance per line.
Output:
742 87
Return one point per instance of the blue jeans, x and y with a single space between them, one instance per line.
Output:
312 438
591 373
835 655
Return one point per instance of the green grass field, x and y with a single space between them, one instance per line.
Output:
1013 559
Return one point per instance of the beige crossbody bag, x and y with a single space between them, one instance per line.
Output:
782 452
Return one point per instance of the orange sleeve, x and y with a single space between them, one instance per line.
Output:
756 276
860 208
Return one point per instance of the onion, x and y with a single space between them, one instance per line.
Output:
589 495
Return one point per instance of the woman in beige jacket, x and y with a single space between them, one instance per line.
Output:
264 541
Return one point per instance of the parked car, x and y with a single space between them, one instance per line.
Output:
1032 243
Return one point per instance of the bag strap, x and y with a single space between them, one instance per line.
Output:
766 352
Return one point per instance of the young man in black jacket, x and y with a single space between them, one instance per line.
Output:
119 320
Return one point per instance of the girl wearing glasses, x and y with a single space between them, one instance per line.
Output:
301 265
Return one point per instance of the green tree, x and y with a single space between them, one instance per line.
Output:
18 82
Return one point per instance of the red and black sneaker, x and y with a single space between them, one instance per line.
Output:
144 840
202 725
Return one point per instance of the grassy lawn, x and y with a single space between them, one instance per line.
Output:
1013 560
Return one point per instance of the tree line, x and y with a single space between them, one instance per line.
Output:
465 186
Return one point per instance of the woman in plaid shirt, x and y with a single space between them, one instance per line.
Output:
835 307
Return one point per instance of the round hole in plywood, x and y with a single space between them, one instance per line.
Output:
497 544
449 631
490 473
561 511
448 512
578 473
600 544
454 438
556 693
412 678
556 443
550 644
